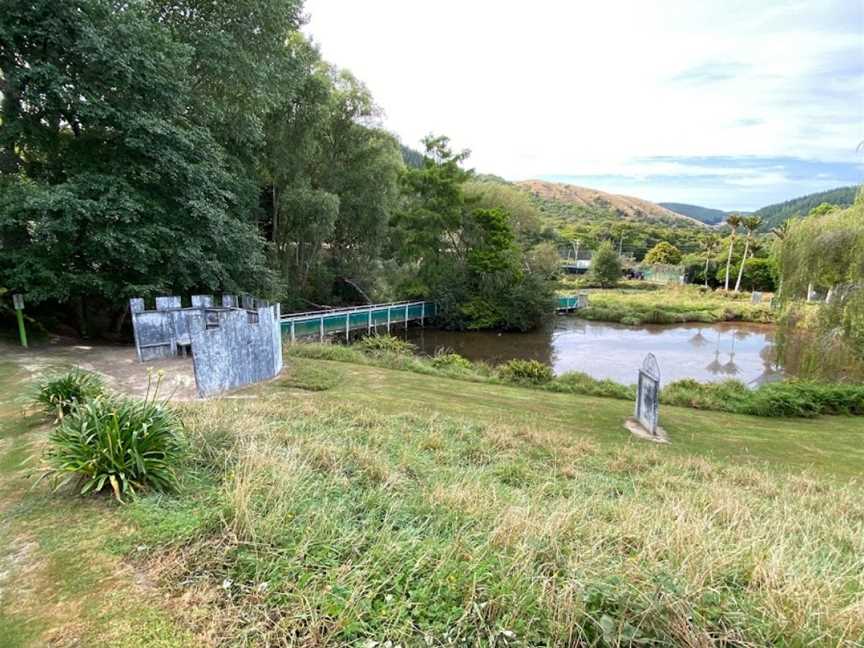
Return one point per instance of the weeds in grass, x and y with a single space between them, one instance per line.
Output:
342 526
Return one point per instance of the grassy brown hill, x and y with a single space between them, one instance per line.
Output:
625 206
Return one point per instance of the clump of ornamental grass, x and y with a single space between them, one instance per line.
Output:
60 394
119 444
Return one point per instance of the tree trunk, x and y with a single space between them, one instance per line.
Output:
275 215
707 261
743 261
81 316
729 262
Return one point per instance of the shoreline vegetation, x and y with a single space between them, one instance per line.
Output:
635 304
781 399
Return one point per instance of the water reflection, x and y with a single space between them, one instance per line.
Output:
603 350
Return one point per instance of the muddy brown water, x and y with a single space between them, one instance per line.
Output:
705 352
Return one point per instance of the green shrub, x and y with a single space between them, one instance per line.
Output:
526 371
806 399
576 382
59 395
450 360
729 395
384 344
798 399
122 444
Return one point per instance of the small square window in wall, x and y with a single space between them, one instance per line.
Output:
211 320
252 317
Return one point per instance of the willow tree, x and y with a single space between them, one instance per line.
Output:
827 251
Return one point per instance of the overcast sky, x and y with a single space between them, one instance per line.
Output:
732 104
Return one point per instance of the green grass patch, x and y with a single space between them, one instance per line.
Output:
673 305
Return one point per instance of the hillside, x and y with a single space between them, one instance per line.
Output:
774 215
624 206
702 214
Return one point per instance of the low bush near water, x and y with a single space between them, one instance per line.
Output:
450 360
384 344
526 371
120 444
60 394
800 399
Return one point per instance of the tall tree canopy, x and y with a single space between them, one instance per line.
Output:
469 259
110 188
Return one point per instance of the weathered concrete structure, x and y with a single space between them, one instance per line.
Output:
230 346
648 394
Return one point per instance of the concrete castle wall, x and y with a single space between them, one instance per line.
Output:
230 346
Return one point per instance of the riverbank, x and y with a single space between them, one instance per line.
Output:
776 399
346 503
674 304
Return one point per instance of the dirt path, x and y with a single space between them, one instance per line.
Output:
118 365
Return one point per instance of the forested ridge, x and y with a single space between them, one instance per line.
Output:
182 146
775 215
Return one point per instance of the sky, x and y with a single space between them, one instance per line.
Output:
730 104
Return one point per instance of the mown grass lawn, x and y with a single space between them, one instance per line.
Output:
344 504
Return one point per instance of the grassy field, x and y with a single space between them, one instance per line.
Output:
348 504
673 304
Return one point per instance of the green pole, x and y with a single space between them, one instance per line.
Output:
21 331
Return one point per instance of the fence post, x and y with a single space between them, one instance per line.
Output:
422 314
406 317
369 325
322 328
293 338
347 327
388 320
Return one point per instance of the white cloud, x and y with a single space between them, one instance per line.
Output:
558 88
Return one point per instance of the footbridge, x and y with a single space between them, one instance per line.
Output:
371 317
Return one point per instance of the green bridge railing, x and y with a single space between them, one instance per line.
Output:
344 320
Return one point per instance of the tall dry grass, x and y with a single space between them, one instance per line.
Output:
341 526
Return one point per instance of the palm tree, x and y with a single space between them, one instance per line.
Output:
751 224
709 247
733 221
781 230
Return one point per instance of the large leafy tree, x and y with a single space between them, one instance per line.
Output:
663 253
468 256
332 182
110 188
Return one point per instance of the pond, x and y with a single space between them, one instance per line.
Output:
706 352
